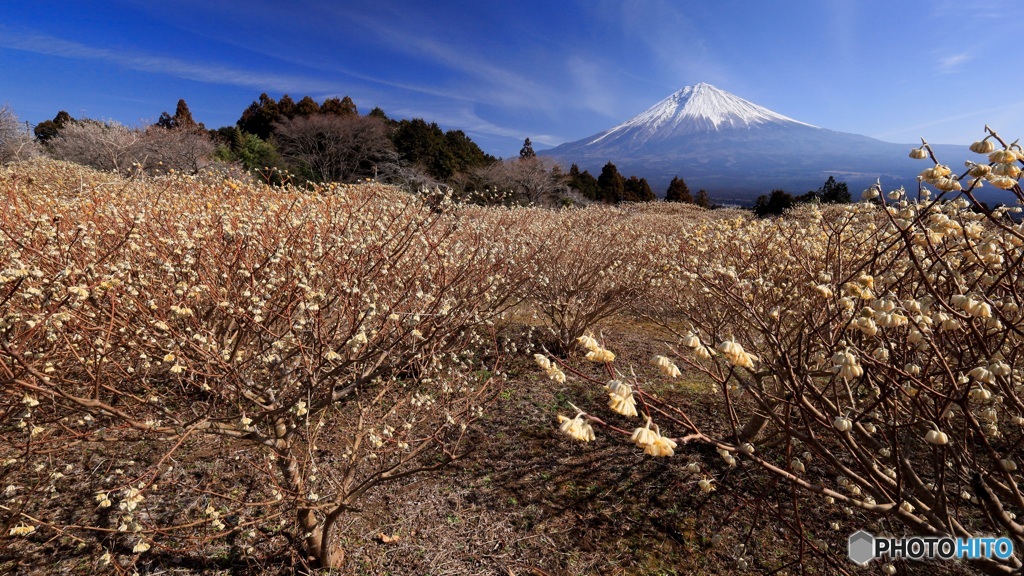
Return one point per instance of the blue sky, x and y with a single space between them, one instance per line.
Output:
551 70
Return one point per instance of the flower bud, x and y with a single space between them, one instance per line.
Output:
706 485
1008 170
1004 182
842 423
936 437
978 170
948 184
1002 156
983 147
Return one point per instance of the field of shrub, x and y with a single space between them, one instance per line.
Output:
202 374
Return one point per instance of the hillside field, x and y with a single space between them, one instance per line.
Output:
207 375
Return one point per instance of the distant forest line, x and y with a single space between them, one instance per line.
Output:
330 141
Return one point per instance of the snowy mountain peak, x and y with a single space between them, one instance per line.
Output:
695 109
735 149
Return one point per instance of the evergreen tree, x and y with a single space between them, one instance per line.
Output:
466 153
254 153
833 192
527 150
286 107
646 193
50 129
637 190
378 112
349 106
678 191
249 150
259 117
441 154
583 182
342 107
420 143
225 136
610 184
702 199
183 116
774 204
307 107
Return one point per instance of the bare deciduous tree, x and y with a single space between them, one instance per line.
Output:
15 143
185 149
116 147
336 148
531 180
103 145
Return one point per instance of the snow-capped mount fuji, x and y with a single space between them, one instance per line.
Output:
693 110
737 150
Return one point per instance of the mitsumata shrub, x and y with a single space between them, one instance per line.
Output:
268 320
868 355
320 342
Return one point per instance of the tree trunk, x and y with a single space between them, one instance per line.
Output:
318 548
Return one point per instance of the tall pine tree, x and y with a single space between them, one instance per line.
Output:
527 150
342 107
637 190
678 191
583 182
182 118
259 117
610 184
286 107
307 107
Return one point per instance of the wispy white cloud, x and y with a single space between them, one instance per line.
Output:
199 71
464 117
482 79
952 63
590 84
908 132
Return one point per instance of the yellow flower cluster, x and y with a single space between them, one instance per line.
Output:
576 428
595 353
652 442
736 355
846 365
1003 170
667 367
620 398
22 530
550 367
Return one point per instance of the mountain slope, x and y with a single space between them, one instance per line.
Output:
737 150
